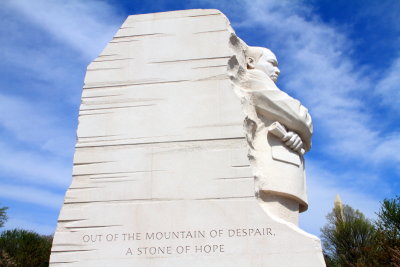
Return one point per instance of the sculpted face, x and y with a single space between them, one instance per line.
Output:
267 63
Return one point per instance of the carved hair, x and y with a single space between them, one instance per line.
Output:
255 53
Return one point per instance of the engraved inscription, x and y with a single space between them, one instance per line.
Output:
182 242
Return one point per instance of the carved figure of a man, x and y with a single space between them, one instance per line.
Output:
276 155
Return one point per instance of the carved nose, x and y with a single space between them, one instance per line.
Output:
277 71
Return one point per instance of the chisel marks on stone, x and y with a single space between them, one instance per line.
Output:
132 83
189 59
222 30
120 107
234 178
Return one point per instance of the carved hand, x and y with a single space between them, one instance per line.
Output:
293 141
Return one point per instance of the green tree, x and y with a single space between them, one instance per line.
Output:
6 260
24 248
389 219
388 225
349 238
3 216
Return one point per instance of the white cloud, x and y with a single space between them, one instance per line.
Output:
31 195
34 124
18 165
322 187
46 46
85 25
50 43
389 87
387 150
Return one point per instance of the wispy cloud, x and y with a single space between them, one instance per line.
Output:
86 26
389 87
50 43
19 165
322 187
32 123
39 133
31 195
46 46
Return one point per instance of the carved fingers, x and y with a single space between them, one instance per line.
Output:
293 141
287 136
297 145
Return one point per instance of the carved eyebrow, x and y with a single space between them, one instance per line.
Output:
274 62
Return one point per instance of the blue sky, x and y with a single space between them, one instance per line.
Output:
340 58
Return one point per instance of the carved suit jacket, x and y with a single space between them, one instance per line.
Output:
279 170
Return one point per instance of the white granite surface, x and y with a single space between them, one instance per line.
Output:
161 175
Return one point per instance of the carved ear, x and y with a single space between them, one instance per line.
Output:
251 63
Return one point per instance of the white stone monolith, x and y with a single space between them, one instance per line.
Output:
161 172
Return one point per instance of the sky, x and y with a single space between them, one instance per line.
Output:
340 58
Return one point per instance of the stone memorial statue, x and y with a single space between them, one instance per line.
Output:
164 173
278 131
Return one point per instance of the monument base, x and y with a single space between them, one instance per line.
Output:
209 232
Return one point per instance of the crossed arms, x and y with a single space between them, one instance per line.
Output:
275 105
